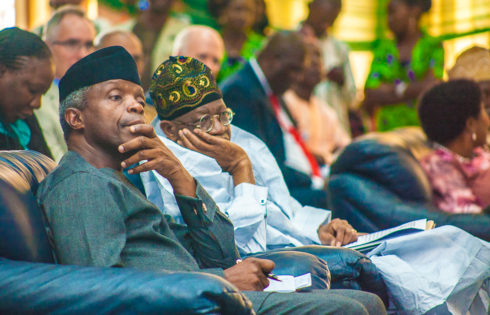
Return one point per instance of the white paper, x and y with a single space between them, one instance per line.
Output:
365 239
303 281
289 283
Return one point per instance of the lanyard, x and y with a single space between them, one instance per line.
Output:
286 125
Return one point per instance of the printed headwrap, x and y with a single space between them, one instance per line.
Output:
181 84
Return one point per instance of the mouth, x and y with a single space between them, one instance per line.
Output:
133 122
25 114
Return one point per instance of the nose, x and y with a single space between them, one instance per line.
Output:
136 107
218 128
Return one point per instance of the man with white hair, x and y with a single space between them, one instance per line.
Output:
203 43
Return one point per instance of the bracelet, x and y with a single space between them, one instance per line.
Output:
400 89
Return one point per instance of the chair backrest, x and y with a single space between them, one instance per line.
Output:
22 226
387 159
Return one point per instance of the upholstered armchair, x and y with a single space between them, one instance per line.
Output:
377 182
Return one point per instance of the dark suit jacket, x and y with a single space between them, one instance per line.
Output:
243 93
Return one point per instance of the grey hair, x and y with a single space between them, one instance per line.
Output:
76 99
58 16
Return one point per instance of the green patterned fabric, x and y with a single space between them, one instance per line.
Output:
18 130
181 84
231 65
428 54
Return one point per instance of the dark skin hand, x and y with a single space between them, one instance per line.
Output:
337 233
250 274
231 157
385 94
147 146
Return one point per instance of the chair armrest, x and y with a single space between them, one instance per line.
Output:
349 269
47 288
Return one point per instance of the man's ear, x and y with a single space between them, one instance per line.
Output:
170 130
74 119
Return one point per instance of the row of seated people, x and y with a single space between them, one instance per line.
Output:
192 93
70 35
102 103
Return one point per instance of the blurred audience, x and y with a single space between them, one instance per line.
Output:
317 123
26 72
203 43
236 19
255 95
474 64
453 117
338 89
261 21
56 4
402 68
70 36
156 27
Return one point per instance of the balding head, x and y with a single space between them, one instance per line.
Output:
127 40
203 43
282 59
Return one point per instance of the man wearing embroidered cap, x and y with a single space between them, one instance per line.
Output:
196 127
229 169
97 218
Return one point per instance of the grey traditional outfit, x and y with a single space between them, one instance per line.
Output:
98 219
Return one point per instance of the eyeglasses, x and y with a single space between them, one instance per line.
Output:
206 122
75 45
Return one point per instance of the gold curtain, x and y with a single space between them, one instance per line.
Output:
32 13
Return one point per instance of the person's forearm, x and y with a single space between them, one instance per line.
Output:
183 183
389 96
243 173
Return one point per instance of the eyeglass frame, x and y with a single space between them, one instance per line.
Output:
198 125
74 44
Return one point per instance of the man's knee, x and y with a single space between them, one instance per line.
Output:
372 302
318 302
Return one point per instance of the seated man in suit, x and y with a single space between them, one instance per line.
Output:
97 218
235 167
255 94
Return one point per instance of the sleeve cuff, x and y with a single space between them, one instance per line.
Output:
259 193
199 211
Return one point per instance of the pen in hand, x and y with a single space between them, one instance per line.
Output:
273 277
268 275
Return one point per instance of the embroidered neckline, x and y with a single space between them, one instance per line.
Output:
458 157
